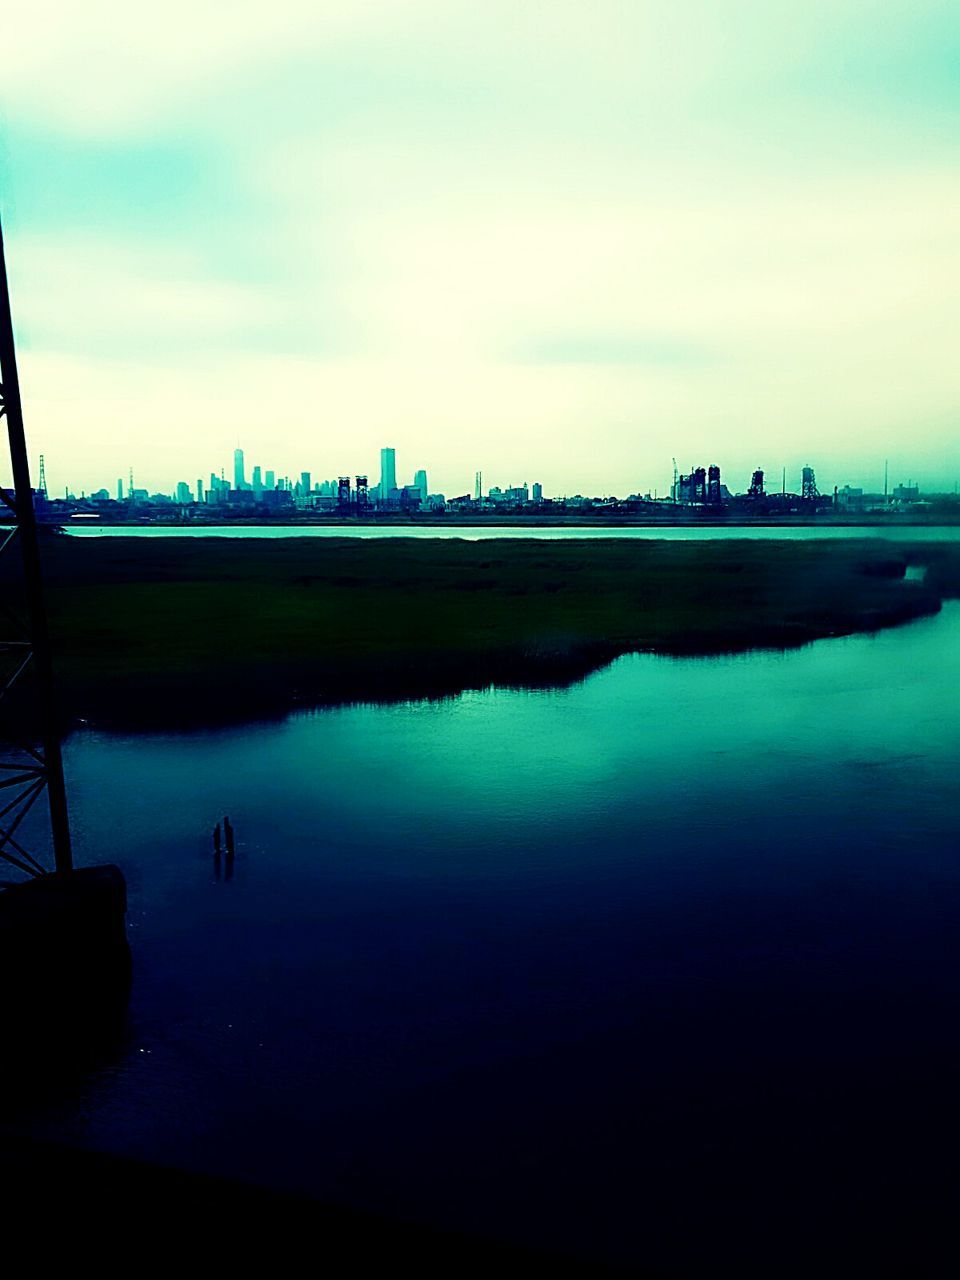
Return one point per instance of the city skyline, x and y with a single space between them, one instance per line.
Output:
266 479
694 231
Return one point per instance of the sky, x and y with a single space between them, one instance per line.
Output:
551 240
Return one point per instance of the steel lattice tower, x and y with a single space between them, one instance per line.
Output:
27 766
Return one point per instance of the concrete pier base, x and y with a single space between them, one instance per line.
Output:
64 956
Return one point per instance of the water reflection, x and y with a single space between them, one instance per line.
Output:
525 961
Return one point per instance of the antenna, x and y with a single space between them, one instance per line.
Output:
32 769
42 481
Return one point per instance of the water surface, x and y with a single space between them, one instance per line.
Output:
670 952
474 533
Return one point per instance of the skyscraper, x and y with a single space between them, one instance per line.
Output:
238 479
420 482
388 472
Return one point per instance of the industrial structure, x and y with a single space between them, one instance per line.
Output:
700 488
32 762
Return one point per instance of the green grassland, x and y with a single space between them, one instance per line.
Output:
166 632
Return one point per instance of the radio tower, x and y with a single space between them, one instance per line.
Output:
27 767
42 480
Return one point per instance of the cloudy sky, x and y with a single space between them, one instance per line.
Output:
551 239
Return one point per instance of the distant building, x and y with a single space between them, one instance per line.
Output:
538 493
199 490
420 483
304 483
270 481
692 489
388 472
908 492
847 497
239 480
516 495
257 483
184 495
119 490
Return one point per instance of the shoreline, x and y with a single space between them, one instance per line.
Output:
518 520
167 634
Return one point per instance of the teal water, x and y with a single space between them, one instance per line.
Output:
604 968
473 533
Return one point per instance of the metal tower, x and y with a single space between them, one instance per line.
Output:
27 767
808 485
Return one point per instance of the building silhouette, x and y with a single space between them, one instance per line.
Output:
388 473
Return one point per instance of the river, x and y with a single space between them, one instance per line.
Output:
474 533
593 968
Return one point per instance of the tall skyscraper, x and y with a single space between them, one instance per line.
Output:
270 481
238 478
199 490
119 490
388 472
420 482
257 483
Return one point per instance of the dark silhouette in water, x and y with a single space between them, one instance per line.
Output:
216 840
231 847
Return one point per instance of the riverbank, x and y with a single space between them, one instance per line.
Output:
167 633
696 518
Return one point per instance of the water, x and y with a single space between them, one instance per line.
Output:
663 956
475 533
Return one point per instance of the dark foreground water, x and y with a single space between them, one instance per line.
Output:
666 962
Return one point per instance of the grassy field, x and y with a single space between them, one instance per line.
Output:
178 632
